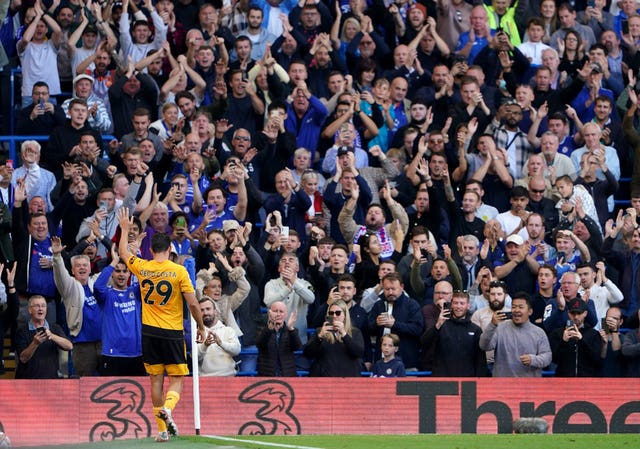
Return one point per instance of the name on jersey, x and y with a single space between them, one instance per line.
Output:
157 274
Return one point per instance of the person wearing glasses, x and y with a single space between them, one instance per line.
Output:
37 343
558 314
540 205
337 347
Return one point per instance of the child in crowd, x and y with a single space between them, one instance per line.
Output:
389 366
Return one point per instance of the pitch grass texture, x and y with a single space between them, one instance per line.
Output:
467 441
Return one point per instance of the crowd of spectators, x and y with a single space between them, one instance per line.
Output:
405 185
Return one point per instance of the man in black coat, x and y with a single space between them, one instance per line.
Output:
398 313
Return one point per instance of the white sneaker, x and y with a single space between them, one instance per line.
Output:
163 437
165 415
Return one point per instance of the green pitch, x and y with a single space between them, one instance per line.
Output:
578 441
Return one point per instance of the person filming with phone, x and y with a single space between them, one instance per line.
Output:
37 343
455 340
337 347
576 346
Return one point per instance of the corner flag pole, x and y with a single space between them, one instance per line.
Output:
196 376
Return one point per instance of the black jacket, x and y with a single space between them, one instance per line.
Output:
457 350
577 358
270 352
339 359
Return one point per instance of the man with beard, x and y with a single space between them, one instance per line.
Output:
497 305
121 314
420 119
455 339
509 136
374 221
260 37
521 348
102 75
216 352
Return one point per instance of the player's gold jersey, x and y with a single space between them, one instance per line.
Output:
161 286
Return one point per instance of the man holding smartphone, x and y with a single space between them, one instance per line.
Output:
455 340
37 343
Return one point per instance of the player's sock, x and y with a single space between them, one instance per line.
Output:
172 400
162 426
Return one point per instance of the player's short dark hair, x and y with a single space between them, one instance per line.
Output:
160 242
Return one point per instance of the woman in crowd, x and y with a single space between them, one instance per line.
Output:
337 348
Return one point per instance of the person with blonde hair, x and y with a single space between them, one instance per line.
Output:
337 348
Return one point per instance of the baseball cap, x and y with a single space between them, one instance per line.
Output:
515 238
576 305
230 225
596 67
82 76
344 150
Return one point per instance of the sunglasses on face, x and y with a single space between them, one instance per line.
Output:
334 312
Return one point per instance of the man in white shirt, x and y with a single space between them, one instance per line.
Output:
216 353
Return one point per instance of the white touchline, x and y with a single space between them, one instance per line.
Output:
263 443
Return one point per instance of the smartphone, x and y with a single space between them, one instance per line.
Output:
103 205
329 320
625 27
604 325
41 330
285 231
446 306
591 4
9 163
569 323
180 221
507 315
41 106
